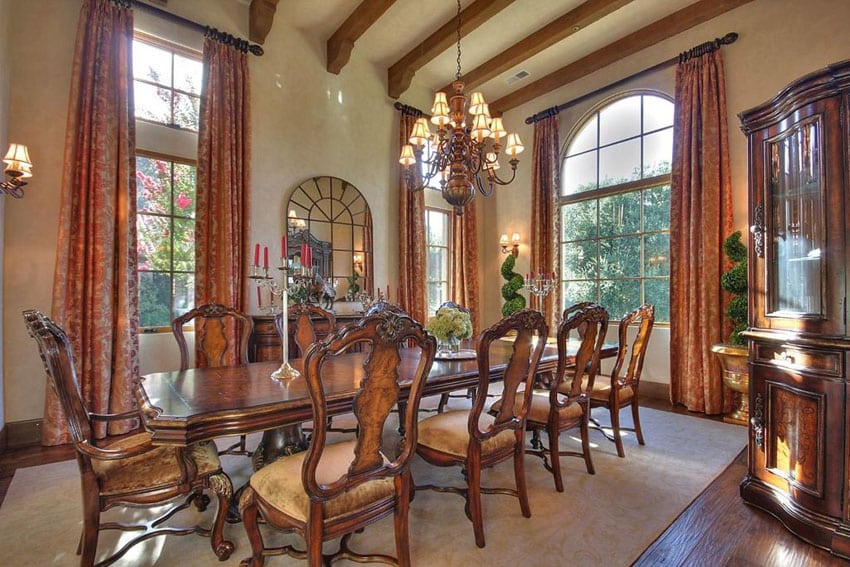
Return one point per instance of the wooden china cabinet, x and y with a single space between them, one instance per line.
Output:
799 447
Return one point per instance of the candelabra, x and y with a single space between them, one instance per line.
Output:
539 285
285 372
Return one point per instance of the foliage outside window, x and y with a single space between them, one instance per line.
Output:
437 231
615 207
165 229
167 83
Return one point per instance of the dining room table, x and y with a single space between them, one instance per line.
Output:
200 404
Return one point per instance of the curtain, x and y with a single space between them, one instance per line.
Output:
700 219
94 286
411 241
464 263
545 219
222 218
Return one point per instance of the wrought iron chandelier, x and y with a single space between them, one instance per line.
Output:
459 153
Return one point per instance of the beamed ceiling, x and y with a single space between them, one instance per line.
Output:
554 41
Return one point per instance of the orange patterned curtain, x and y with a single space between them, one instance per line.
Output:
94 287
464 263
700 219
221 224
545 220
411 242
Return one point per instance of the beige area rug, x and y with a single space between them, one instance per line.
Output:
604 519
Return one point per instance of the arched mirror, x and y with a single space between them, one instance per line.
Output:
331 216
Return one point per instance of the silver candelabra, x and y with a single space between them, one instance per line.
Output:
281 290
540 285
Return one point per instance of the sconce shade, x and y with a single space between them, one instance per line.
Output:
503 240
17 161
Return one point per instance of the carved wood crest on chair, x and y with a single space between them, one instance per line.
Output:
128 470
473 439
335 489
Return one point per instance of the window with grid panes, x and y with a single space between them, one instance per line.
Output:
437 238
614 206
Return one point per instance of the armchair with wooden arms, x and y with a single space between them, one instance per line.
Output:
221 339
333 490
565 404
473 439
621 390
128 470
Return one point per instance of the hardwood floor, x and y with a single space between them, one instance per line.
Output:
716 529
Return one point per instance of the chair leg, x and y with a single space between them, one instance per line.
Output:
87 548
402 537
473 479
519 476
555 455
615 427
636 419
444 399
313 539
585 444
402 417
222 486
248 507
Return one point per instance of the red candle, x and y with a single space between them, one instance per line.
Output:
388 292
309 256
257 254
265 256
259 297
283 245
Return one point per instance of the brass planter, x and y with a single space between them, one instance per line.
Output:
736 376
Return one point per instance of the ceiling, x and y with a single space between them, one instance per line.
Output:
553 41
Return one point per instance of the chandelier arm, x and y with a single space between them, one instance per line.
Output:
481 186
494 177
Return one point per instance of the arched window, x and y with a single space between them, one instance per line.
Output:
614 206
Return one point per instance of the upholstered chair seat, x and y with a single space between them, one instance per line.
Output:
279 484
157 467
602 390
447 432
539 409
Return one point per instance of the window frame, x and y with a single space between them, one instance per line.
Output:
602 192
448 248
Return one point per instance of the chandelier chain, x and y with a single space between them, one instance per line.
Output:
457 76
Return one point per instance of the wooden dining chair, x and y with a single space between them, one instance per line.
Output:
128 470
333 490
221 339
472 439
470 392
303 317
565 404
621 390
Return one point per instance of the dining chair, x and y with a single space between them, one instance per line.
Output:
564 404
334 489
470 392
384 306
128 470
473 439
221 339
621 390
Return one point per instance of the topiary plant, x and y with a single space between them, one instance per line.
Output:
735 282
513 301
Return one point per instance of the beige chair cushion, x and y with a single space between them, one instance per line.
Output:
602 389
447 432
279 484
158 467
539 410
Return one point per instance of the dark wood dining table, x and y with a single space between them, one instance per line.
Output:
199 404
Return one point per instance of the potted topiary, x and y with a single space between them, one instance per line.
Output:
513 300
733 355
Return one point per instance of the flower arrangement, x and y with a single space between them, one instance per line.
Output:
450 323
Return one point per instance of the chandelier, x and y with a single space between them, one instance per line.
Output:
459 152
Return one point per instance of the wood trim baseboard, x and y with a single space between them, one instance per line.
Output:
18 434
655 390
3 432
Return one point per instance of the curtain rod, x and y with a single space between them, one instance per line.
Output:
691 53
212 33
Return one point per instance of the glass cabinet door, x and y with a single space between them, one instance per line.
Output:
796 223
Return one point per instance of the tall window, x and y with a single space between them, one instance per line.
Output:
437 230
615 207
167 101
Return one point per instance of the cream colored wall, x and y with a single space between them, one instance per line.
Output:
779 41
5 29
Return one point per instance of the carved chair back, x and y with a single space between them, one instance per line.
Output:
382 335
303 331
644 317
384 307
531 333
589 322
221 336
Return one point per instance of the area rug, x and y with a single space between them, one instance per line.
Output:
604 519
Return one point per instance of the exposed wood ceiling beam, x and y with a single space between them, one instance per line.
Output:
660 30
568 24
260 19
400 74
342 41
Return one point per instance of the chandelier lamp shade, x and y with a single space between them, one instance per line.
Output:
463 153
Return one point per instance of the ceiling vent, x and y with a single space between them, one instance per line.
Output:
518 76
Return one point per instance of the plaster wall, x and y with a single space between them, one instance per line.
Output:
5 27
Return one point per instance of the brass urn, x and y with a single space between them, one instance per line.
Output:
736 377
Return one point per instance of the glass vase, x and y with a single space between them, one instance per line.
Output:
450 345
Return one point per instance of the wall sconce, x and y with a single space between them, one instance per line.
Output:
513 245
295 223
358 263
18 168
